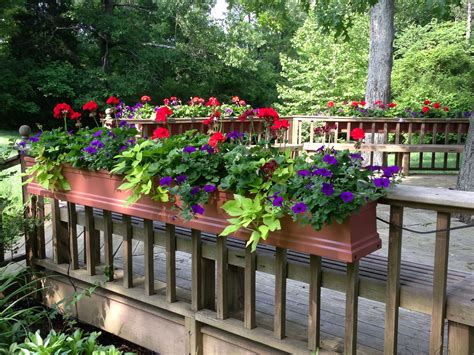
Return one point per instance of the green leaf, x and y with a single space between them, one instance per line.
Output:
229 230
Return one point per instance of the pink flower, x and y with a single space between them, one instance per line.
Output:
145 98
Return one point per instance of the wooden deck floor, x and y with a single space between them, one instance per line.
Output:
413 331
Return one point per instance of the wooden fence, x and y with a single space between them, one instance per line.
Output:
397 131
222 301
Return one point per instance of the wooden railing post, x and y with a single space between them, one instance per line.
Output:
72 232
91 236
221 278
279 328
314 314
127 252
148 243
108 245
249 288
170 262
352 295
196 277
60 235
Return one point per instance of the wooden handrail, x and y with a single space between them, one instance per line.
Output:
8 163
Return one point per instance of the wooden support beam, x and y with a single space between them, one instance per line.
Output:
221 278
249 288
280 293
352 295
148 253
108 245
208 288
60 235
72 232
127 252
170 236
235 282
90 237
40 239
194 343
443 221
460 339
30 233
196 293
314 314
392 298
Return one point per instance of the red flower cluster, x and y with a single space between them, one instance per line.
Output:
212 118
327 128
238 101
112 100
212 102
90 106
162 113
173 100
160 133
357 134
246 114
267 114
330 104
145 99
61 110
269 168
436 105
196 101
216 138
280 124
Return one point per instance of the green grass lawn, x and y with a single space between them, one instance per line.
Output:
10 186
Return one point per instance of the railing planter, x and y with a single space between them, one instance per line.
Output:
347 242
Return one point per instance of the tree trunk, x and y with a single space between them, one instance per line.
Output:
380 63
466 173
105 39
469 20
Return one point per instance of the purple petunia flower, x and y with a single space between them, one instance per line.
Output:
22 144
346 196
229 111
356 156
122 148
373 168
328 158
166 181
303 173
90 150
234 135
181 178
189 149
381 182
98 133
299 207
122 124
97 143
198 209
389 171
277 201
207 148
195 190
131 141
320 149
209 188
323 172
327 189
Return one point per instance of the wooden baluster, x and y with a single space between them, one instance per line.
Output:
90 236
280 293
410 132
72 232
170 262
446 141
30 235
392 297
108 245
352 295
311 131
249 288
148 242
127 252
440 274
397 133
422 141
314 315
196 277
433 141
459 139
40 237
60 237
348 135
194 341
221 278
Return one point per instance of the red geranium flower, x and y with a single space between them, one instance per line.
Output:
75 115
267 113
145 98
280 124
166 102
354 104
90 106
216 138
378 102
242 103
160 133
436 105
61 110
245 114
426 102
173 98
162 113
207 121
212 102
357 134
235 99
330 104
112 100
425 109
362 103
392 105
446 108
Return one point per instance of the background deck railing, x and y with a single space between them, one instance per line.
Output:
223 275
406 131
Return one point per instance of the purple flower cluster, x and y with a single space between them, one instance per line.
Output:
381 182
189 149
166 181
329 159
356 156
197 209
322 172
98 133
389 171
346 196
90 150
303 173
277 200
207 148
35 138
299 207
209 188
327 189
181 178
97 144
195 190
234 135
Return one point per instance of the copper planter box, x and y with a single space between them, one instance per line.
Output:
349 241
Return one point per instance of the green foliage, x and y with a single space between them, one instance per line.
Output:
434 62
324 68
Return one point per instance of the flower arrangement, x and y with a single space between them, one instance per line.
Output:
267 183
360 109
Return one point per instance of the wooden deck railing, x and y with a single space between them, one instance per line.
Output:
223 281
393 130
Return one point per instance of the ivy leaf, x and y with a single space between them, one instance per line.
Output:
230 229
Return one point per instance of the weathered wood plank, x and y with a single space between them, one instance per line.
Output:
148 253
59 237
391 148
194 344
460 339
170 235
108 245
438 312
196 277
72 231
314 313
393 280
249 288
221 278
280 293
127 252
352 295
40 238
91 245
